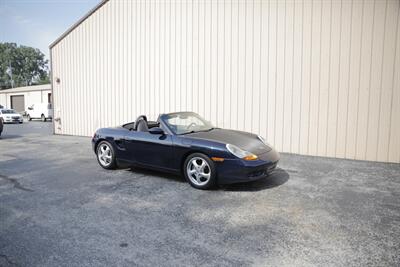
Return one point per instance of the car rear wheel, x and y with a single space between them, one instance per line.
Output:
29 117
105 155
43 118
200 171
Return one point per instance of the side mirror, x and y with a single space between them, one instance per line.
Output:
156 130
30 108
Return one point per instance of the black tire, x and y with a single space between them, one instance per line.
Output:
103 162
43 118
207 183
29 117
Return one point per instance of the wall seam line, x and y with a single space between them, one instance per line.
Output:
348 81
370 78
381 82
393 78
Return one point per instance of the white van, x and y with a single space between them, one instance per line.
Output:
41 111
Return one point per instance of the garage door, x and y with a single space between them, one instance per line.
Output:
18 103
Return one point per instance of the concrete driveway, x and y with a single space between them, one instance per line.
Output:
59 208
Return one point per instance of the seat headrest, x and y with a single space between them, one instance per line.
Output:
141 117
142 126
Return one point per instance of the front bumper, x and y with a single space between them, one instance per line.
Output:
94 141
13 120
238 170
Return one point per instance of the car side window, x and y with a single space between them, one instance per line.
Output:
163 128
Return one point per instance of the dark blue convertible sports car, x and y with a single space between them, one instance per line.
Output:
185 143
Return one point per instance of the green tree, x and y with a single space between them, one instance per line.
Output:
21 66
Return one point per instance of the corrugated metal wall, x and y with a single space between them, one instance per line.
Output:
313 77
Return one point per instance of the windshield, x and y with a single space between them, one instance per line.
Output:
8 111
186 122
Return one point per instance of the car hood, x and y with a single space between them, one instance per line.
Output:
244 140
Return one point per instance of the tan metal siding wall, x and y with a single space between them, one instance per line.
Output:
314 77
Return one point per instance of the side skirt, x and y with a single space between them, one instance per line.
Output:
128 164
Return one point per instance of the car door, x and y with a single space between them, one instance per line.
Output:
36 111
149 149
32 112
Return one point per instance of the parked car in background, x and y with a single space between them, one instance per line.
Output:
10 116
43 111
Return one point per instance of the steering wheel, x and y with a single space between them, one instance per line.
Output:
191 125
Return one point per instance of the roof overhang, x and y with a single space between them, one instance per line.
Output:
41 87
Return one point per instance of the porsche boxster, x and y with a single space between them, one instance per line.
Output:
185 143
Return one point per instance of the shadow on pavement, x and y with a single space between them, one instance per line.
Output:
160 174
276 178
9 136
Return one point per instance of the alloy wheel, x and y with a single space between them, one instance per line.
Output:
104 154
198 171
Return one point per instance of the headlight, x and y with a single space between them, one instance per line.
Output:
240 153
262 139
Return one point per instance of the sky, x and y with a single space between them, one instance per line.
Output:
37 23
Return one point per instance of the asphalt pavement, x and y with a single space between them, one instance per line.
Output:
59 208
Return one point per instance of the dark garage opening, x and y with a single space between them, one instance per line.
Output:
18 103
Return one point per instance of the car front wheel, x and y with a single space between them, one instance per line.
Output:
29 117
105 155
199 171
43 118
